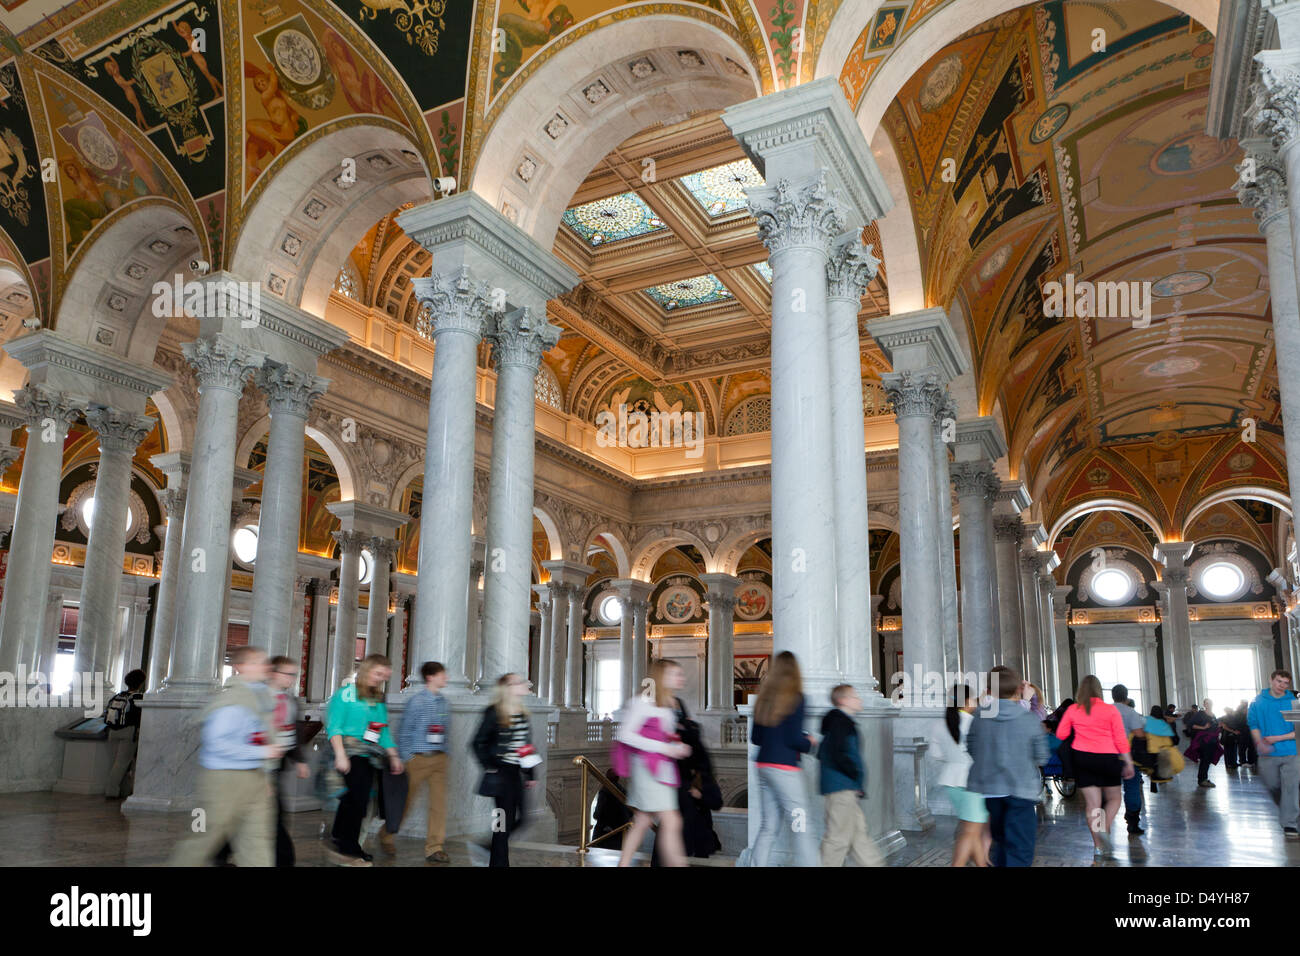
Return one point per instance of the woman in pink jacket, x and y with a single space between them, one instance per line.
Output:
1101 759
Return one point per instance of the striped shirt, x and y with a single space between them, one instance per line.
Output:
515 737
425 711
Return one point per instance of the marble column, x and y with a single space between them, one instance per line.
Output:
459 305
799 220
175 466
397 636
541 664
518 340
200 642
976 486
1047 632
381 553
99 621
721 660
320 676
630 592
1033 617
299 631
1066 680
943 434
1181 681
1008 530
290 394
640 641
850 269
559 645
48 414
343 660
474 618
1266 195
574 664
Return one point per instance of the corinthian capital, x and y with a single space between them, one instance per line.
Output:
973 478
383 549
850 268
796 214
520 338
914 393
118 431
1261 180
40 405
1276 110
1008 527
290 391
456 301
221 363
350 542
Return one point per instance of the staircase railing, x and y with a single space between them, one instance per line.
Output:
584 828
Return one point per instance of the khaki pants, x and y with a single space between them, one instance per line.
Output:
238 806
122 741
430 769
846 832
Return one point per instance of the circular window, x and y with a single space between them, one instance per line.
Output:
245 544
1111 586
88 514
611 610
1222 581
365 567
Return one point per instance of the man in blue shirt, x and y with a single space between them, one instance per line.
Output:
236 754
1274 738
422 745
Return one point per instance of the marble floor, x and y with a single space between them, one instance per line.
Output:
1234 824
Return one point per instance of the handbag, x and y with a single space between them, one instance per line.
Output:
490 785
1066 755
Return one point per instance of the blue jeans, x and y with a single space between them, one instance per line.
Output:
1013 824
783 803
1133 794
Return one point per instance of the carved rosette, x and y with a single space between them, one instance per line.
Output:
221 363
118 432
1008 528
519 338
914 394
973 478
350 542
40 404
797 215
457 303
850 269
1261 181
1276 110
290 391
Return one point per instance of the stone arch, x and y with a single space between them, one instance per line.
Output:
413 471
1104 504
109 298
302 222
174 434
655 542
552 528
612 542
733 548
940 28
898 246
531 175
1250 492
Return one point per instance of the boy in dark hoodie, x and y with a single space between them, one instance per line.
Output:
1008 745
843 783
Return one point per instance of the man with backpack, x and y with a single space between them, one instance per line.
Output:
122 717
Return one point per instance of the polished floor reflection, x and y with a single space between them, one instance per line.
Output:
1234 824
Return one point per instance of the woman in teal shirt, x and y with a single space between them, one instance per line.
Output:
356 721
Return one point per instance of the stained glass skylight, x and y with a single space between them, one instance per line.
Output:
613 218
683 293
765 270
721 190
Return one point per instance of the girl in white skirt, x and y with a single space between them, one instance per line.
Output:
648 740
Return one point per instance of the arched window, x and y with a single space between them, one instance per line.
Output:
752 415
547 388
348 282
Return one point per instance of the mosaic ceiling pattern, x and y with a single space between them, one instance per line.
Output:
721 190
683 293
613 218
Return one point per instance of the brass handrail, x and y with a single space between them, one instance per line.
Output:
584 839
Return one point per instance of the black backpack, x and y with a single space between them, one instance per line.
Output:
118 710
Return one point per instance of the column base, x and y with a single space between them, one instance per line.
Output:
31 755
915 768
166 763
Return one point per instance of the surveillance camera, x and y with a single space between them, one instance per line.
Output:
199 266
31 322
444 184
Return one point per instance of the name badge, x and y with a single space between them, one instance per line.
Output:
435 734
372 732
257 739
